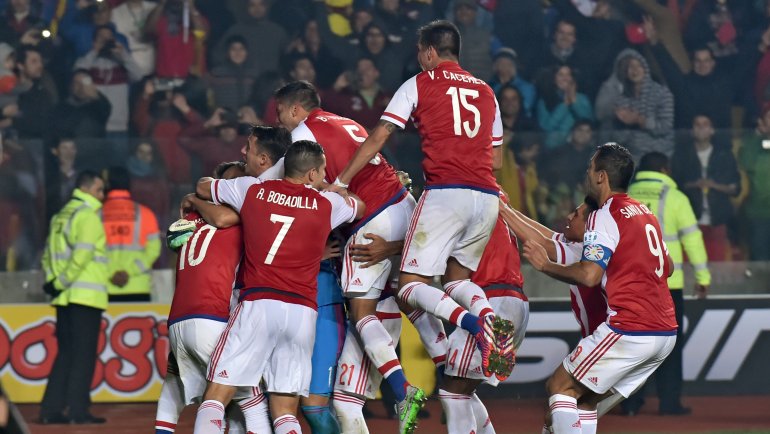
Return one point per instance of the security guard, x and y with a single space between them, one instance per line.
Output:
75 265
654 187
133 242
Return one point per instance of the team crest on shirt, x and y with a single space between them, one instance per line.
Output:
590 237
593 252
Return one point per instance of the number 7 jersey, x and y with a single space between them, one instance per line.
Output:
624 237
459 123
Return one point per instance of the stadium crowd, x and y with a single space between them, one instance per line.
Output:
168 90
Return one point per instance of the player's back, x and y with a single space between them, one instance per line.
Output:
285 234
206 272
454 113
500 266
376 184
636 275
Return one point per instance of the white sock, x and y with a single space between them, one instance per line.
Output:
470 296
287 424
349 413
483 422
256 413
378 345
459 413
209 418
432 335
170 404
564 414
432 300
588 421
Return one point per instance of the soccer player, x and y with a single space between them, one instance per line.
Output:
623 250
389 209
271 333
459 122
205 278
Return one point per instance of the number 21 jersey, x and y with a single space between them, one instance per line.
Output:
459 122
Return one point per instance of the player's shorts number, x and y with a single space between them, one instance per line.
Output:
347 371
286 222
656 248
187 253
460 97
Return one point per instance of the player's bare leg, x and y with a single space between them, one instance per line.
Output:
211 412
378 346
283 408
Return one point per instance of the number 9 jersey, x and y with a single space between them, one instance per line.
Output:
459 122
624 238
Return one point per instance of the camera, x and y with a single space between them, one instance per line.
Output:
166 84
106 50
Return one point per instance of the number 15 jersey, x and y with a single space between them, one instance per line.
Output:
625 239
459 122
285 227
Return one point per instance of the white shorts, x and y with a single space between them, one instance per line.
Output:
451 222
270 340
607 360
463 356
192 342
355 373
391 224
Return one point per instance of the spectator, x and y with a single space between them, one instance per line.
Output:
296 66
256 28
231 82
159 115
328 66
179 50
755 160
519 25
133 240
513 116
361 99
388 59
662 24
398 27
148 178
129 19
631 101
505 70
560 105
75 265
85 112
8 83
718 25
35 101
213 141
262 94
80 23
17 20
477 61
709 176
762 80
564 50
112 69
562 165
60 178
518 176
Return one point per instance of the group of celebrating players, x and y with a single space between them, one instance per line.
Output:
256 321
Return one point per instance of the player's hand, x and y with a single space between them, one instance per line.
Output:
342 191
370 253
187 205
536 255
332 249
119 279
701 291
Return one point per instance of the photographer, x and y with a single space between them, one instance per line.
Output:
112 69
85 112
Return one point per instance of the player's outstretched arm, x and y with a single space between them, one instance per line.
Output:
219 216
585 273
203 188
366 152
527 229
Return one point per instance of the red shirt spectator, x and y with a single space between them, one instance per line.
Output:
178 50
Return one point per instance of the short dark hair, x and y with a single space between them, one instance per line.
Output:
86 178
118 178
617 162
443 36
23 52
583 122
591 205
653 162
219 171
232 39
302 156
290 61
299 92
101 27
273 141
